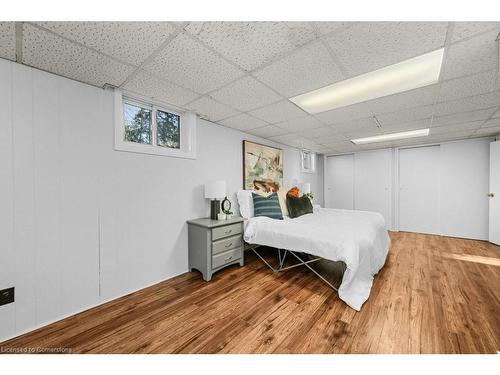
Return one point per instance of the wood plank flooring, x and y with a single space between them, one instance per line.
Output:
434 295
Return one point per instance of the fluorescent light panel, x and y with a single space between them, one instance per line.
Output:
391 136
407 75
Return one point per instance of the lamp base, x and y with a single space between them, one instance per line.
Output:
214 208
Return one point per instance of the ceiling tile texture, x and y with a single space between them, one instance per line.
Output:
242 74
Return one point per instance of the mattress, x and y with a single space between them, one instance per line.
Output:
357 238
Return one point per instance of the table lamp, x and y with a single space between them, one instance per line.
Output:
214 190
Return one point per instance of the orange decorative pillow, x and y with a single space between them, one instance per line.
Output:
294 192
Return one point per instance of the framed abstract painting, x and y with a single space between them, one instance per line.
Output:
262 167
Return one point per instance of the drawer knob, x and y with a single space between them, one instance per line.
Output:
228 231
229 244
228 258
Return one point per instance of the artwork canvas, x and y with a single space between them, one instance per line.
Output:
262 167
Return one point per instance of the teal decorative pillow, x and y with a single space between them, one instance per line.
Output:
267 206
298 206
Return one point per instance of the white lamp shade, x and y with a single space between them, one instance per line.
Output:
215 189
305 187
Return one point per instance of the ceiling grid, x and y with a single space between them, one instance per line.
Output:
241 74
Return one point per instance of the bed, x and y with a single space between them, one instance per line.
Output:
356 238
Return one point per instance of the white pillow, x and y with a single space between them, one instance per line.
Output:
245 201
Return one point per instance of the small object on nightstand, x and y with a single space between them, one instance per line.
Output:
214 190
226 208
215 244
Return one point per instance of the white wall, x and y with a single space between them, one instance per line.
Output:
463 186
81 223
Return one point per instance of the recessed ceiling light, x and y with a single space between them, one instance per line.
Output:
406 75
391 136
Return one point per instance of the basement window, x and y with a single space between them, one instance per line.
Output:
308 161
152 128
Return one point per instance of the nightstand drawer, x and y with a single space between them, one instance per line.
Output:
226 244
226 257
225 231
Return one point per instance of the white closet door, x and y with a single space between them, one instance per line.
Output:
372 183
340 182
419 190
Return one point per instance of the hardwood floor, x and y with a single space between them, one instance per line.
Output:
434 295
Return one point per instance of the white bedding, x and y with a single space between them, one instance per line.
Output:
358 238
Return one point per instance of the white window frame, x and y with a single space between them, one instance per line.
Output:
188 123
312 156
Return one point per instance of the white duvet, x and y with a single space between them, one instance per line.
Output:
357 238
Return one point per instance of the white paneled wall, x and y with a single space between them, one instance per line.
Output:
81 223
459 183
7 263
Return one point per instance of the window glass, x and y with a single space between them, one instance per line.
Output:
137 121
168 127
306 160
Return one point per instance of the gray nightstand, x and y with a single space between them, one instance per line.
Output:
215 244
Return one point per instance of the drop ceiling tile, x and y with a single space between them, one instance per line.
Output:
471 56
243 122
369 46
472 85
248 44
318 133
487 132
463 30
346 149
492 122
362 133
456 128
268 131
289 139
330 27
335 141
7 40
468 104
278 112
352 112
407 115
300 124
408 99
301 33
451 136
308 144
131 42
412 125
146 84
320 149
367 123
189 64
49 52
307 69
210 109
459 118
245 94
